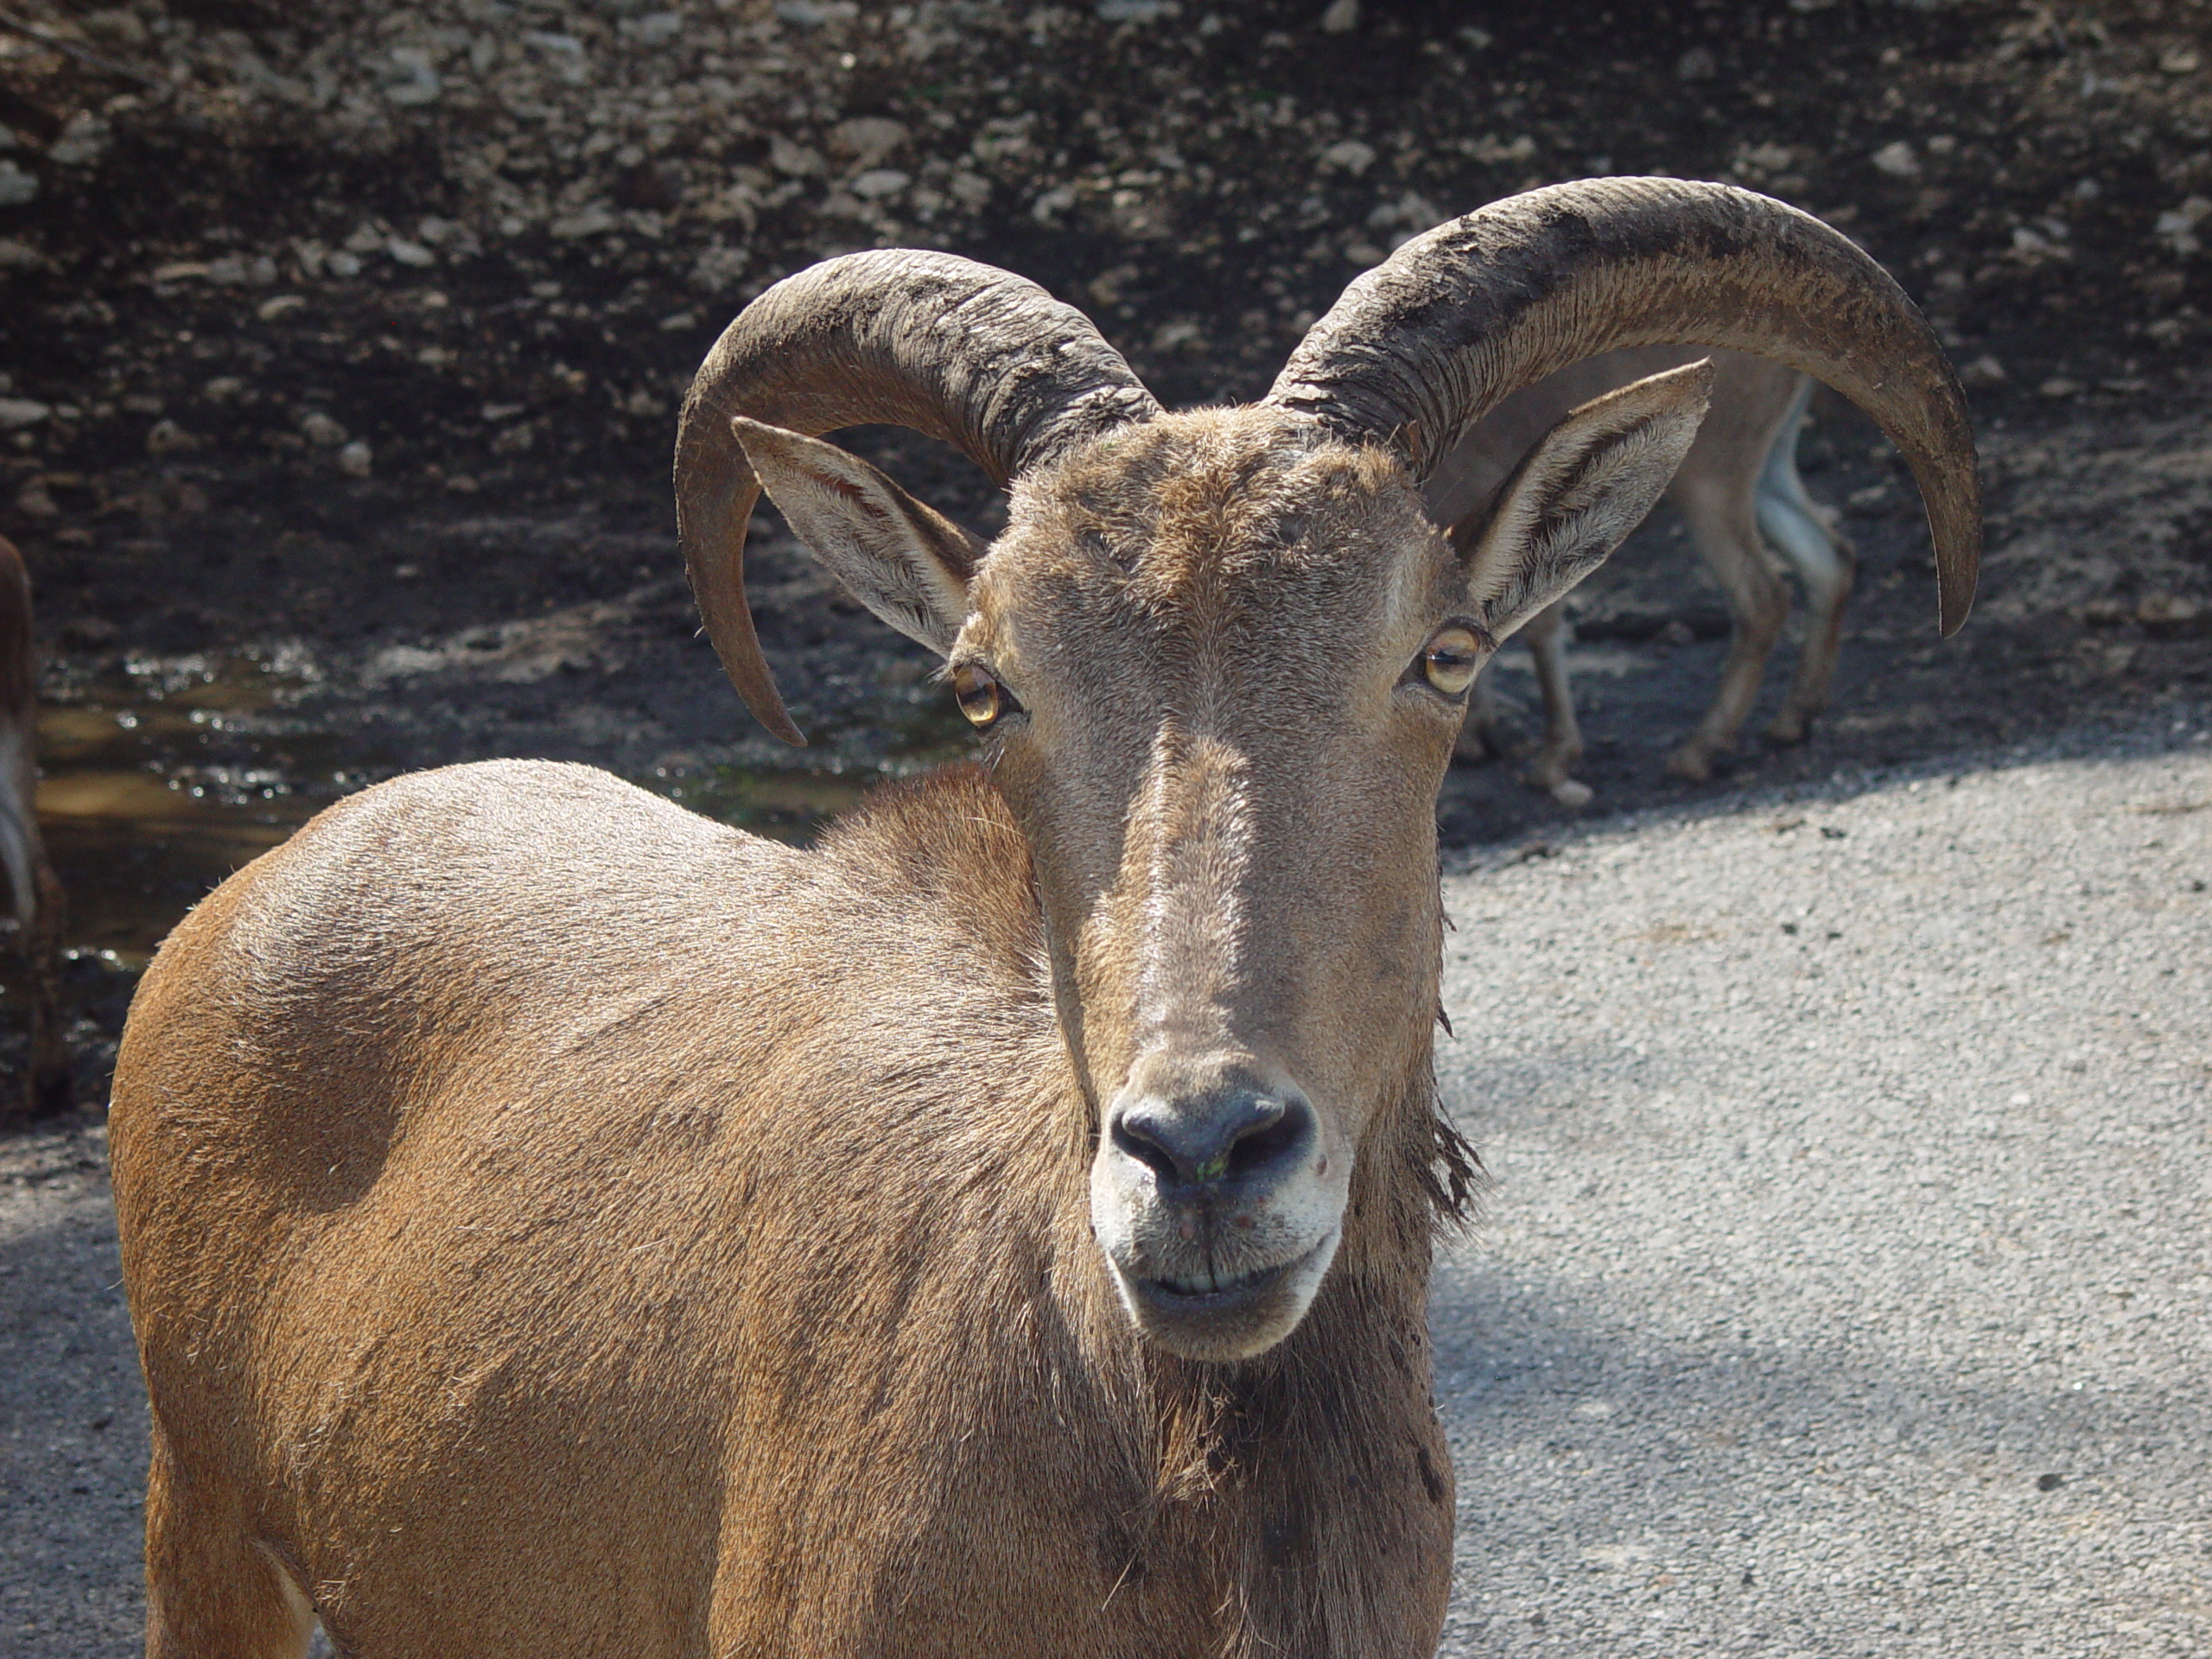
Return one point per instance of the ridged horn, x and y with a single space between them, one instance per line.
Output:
986 361
1427 343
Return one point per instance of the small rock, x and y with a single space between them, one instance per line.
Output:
1676 633
2179 229
1131 11
1341 19
1984 370
2105 614
1349 155
34 500
343 264
2179 61
2059 386
82 143
318 430
1697 64
16 412
268 310
594 220
119 27
2166 331
867 139
411 82
413 254
19 256
2166 616
90 632
1896 160
168 438
2050 1482
356 460
793 160
655 28
879 184
16 187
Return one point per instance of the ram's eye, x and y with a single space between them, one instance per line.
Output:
981 697
1451 659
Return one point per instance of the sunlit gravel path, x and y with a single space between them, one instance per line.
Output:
1844 1288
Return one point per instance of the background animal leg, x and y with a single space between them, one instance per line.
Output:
1722 525
1545 634
1490 732
36 893
210 1593
47 1078
1804 532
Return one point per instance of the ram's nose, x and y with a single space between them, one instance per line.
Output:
1240 1138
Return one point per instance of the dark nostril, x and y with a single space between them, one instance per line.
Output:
1136 1136
1237 1136
1266 1143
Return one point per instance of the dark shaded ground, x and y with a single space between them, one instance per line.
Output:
339 367
338 364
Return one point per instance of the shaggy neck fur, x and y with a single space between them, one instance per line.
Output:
1252 1493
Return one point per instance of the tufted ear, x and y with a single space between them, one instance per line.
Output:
1574 499
904 561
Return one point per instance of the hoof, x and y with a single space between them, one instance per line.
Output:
1693 762
1570 794
1490 739
1787 731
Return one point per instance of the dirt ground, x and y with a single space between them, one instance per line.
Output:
341 345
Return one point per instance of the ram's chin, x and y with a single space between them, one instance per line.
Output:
1225 1318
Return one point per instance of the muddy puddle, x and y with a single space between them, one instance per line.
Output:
160 777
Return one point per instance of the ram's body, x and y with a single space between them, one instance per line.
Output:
557 1225
1739 494
741 1313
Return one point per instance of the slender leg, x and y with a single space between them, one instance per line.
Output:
1804 532
47 1080
1722 525
1545 634
211 1593
1489 732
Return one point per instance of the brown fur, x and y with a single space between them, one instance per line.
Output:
556 1223
957 1405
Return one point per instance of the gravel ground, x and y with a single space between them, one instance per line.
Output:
1841 1286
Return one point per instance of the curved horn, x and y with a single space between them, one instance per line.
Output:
1423 346
961 352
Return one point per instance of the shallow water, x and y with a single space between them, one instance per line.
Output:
160 777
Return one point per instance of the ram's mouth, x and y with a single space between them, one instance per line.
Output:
1207 1292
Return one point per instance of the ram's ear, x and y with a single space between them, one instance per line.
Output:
904 561
1577 494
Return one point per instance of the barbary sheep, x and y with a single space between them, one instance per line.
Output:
558 1225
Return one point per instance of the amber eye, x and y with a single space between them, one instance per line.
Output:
981 698
1451 659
